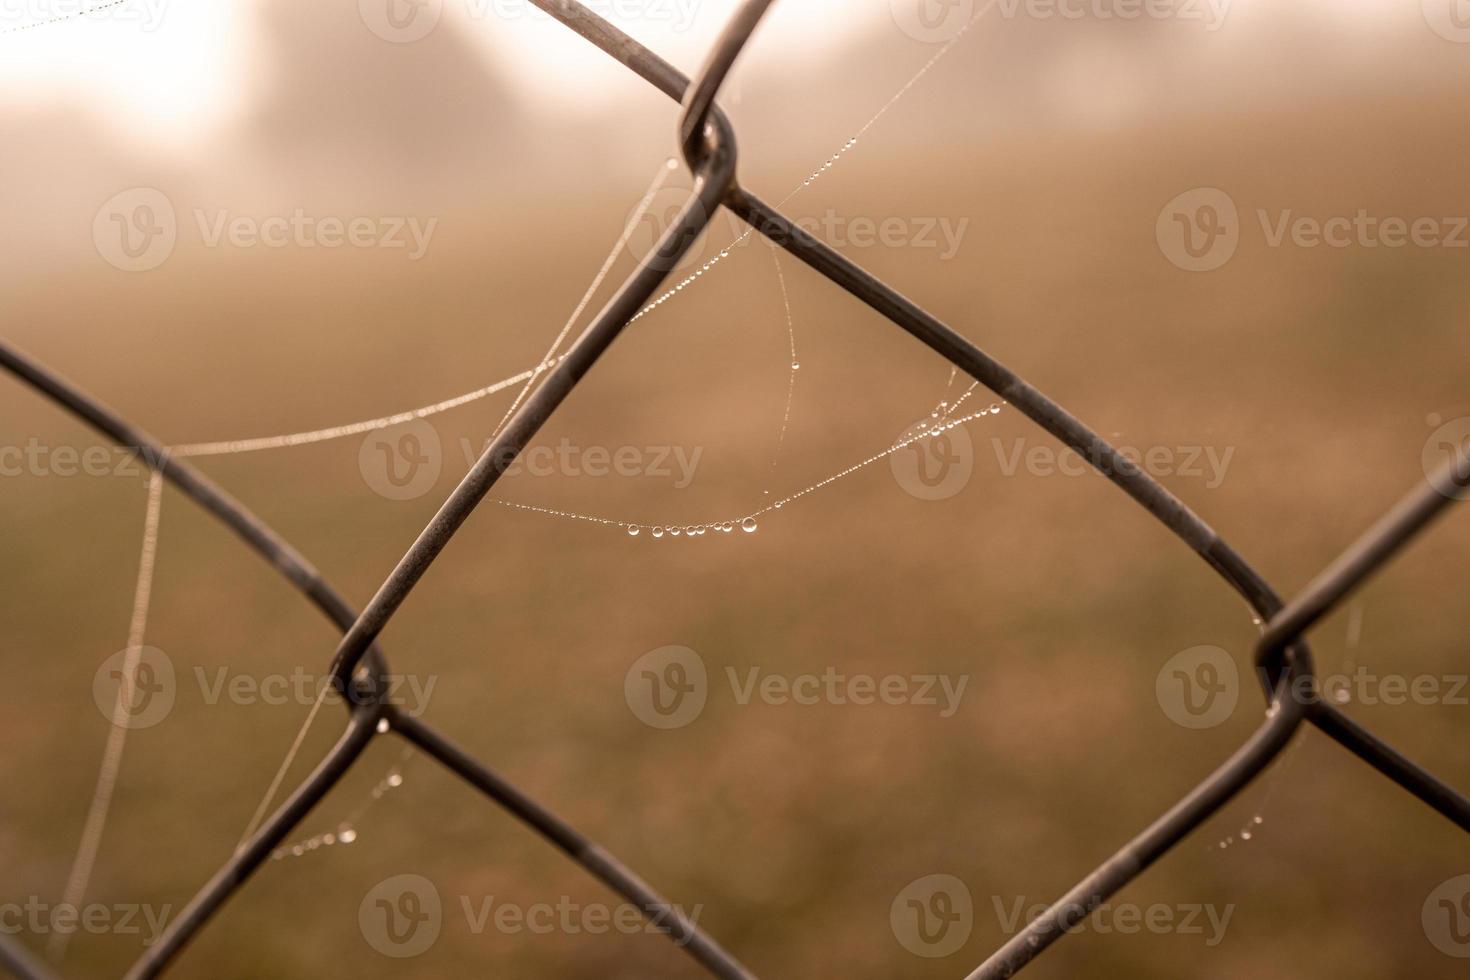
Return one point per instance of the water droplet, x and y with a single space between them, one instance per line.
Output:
796 365
395 780
1258 821
748 525
633 531
329 839
780 504
347 836
676 531
382 725
994 409
658 532
1245 835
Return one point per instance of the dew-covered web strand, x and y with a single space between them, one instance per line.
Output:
59 18
97 813
750 521
346 832
1277 775
233 446
530 377
226 447
546 362
795 364
827 165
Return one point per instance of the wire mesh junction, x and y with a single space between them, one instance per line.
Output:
707 143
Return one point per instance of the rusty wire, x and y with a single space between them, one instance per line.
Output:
707 143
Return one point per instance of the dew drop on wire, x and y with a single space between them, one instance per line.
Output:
347 836
676 531
658 532
632 530
748 525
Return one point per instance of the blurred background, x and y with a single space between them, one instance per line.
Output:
1118 207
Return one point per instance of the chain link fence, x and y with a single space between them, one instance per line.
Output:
360 667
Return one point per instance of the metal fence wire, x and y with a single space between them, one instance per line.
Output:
707 143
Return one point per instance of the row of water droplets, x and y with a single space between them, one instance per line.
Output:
346 832
724 253
939 422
